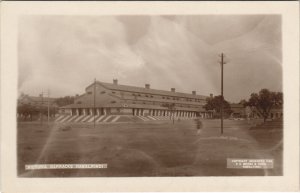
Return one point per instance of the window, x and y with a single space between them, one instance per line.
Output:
163 97
89 92
112 101
151 96
103 92
79 102
113 92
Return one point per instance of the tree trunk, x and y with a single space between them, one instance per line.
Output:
265 118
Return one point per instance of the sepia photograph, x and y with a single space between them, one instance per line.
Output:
163 95
97 96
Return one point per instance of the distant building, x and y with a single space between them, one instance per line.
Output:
241 111
40 101
238 110
116 99
32 107
275 113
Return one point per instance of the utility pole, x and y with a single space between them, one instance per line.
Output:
48 107
42 95
94 102
222 97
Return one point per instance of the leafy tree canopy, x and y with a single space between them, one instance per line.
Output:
215 104
264 101
62 101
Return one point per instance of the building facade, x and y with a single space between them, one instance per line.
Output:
275 113
241 111
37 101
238 110
34 107
102 98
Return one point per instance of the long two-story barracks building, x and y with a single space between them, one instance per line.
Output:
112 99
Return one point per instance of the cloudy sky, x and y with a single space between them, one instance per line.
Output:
65 53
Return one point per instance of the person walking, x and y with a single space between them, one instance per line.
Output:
199 125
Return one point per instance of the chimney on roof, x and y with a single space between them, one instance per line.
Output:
147 86
173 89
211 95
115 81
194 92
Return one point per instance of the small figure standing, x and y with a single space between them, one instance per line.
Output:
199 125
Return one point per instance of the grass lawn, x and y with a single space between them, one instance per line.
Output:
156 148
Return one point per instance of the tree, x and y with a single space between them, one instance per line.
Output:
264 101
243 102
27 110
215 104
62 101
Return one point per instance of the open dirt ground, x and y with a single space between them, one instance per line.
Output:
157 148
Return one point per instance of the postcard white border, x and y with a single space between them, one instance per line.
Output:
10 11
